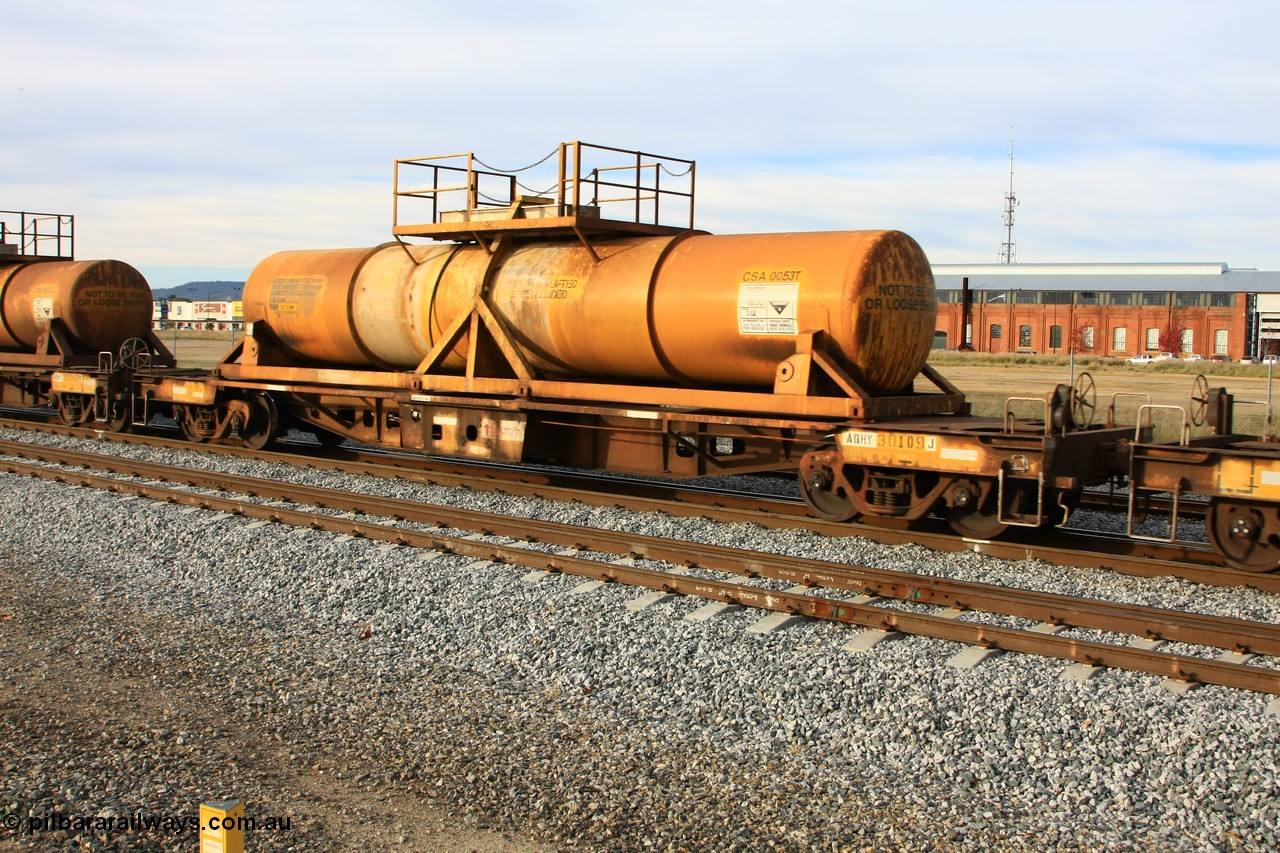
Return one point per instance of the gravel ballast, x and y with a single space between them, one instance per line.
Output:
380 696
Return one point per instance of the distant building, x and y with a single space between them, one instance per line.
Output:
184 314
1109 309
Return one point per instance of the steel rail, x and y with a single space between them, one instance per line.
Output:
1119 503
1183 667
1065 548
1051 608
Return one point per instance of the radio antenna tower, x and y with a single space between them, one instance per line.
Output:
1007 252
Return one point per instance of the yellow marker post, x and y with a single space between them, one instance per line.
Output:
222 827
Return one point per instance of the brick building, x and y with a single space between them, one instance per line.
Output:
1109 309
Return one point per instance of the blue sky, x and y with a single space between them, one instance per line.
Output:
192 140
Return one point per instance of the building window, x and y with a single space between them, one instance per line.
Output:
1151 297
1122 297
1056 297
995 331
1222 300
1153 339
1186 300
1087 297
1055 337
1219 341
1188 340
1026 297
995 296
1086 338
1024 337
1119 339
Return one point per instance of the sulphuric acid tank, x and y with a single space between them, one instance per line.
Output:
101 303
692 309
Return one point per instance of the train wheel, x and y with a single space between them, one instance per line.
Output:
70 412
824 490
827 503
187 422
979 518
264 421
976 522
1248 535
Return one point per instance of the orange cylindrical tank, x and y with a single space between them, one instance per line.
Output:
871 291
101 303
349 306
693 308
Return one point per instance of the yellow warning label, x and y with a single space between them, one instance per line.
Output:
289 293
890 440
72 383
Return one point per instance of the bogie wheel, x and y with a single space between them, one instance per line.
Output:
1247 535
263 422
70 411
1199 400
976 522
186 419
1084 400
823 488
981 518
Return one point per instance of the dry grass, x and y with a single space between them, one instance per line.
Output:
941 359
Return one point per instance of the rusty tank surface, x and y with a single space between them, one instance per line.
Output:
691 309
101 303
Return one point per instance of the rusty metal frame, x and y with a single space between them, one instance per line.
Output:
535 392
496 367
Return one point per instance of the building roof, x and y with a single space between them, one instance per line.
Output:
1217 277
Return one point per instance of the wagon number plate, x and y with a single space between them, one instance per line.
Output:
889 440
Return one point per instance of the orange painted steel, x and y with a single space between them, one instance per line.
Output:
101 303
347 306
693 308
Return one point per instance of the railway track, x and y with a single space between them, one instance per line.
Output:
1066 547
819 589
